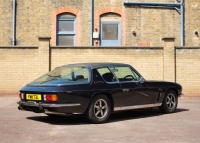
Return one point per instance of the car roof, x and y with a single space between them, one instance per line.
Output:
96 65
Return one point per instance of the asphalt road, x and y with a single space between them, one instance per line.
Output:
139 126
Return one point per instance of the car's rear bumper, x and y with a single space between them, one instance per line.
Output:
41 107
35 104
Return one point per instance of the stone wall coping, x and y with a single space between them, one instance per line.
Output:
84 47
104 47
18 47
187 47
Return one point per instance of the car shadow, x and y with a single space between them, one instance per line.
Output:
61 120
138 114
114 117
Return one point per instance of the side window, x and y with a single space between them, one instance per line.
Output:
125 73
66 29
81 74
106 74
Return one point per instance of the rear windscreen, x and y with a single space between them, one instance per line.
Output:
65 75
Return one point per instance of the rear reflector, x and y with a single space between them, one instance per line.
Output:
50 97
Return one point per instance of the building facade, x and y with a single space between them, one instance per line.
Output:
51 33
114 23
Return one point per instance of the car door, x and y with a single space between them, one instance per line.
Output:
135 92
105 81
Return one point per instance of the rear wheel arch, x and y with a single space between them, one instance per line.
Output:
106 94
111 100
99 108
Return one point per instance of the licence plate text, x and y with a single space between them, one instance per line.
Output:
33 97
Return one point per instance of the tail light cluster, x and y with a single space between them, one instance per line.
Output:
21 95
47 97
50 97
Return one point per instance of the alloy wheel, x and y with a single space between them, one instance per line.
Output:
100 108
171 101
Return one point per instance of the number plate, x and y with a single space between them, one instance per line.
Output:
33 97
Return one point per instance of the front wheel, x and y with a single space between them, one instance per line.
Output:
99 109
169 103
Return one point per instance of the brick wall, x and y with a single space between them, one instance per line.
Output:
188 69
192 22
147 60
34 18
20 65
5 22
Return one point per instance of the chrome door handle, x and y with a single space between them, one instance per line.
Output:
125 90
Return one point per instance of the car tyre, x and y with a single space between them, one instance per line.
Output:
99 109
169 103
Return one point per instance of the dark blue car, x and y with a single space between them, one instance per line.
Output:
96 90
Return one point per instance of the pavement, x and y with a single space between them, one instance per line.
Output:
139 126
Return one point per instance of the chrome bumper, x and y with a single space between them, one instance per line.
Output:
50 105
180 95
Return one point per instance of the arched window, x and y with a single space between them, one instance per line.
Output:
66 29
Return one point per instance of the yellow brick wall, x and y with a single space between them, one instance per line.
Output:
151 24
21 65
18 67
34 18
5 22
149 62
188 70
169 59
192 22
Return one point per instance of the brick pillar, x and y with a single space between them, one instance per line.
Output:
44 54
169 59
